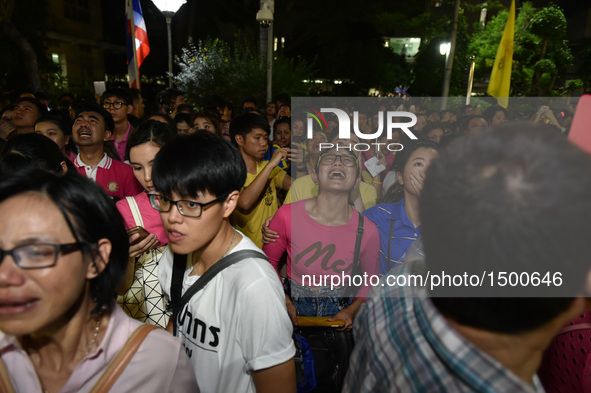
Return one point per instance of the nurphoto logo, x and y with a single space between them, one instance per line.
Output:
392 120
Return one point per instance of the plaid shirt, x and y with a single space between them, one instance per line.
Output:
403 344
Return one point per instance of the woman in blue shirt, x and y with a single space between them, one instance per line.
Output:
398 218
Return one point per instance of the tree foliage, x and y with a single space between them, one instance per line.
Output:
539 53
213 67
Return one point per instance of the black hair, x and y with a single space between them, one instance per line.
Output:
90 215
282 97
491 111
396 192
244 124
134 93
92 107
183 107
432 126
516 199
166 117
194 164
42 109
117 92
152 131
57 120
182 118
213 118
32 150
282 120
465 121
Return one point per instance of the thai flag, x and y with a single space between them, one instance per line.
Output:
137 40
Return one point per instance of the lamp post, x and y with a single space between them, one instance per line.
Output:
169 8
265 18
450 58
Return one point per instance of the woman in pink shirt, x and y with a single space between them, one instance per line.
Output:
319 235
63 249
141 294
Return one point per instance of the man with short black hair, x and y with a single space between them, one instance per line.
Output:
119 104
137 107
235 329
258 199
472 124
512 199
92 127
26 112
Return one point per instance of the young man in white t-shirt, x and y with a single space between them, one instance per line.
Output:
236 329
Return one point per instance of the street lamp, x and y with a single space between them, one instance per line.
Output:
169 8
265 18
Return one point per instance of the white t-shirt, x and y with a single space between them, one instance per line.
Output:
237 324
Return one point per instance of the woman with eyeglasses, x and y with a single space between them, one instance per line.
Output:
319 236
63 249
141 294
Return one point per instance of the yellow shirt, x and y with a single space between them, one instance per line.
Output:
305 188
250 222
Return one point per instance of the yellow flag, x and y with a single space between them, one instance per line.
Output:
500 78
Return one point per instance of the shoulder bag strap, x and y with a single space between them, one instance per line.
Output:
135 211
360 231
117 365
210 274
179 265
356 268
5 384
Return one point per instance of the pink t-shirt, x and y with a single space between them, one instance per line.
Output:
318 250
151 217
159 365
121 146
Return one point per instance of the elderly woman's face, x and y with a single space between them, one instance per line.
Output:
39 300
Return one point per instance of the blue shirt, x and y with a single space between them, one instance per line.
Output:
403 344
397 232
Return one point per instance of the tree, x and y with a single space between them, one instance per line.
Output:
429 65
213 67
539 53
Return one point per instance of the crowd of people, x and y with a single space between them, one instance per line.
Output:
223 226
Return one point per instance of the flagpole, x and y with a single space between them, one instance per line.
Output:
135 66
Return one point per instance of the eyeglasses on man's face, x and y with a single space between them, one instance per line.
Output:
185 208
38 255
331 158
116 105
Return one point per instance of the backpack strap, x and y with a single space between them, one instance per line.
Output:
118 364
228 260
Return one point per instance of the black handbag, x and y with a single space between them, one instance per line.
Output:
331 350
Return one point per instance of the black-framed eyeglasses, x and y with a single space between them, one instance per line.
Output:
185 208
331 158
116 105
38 255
